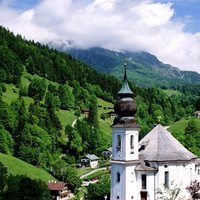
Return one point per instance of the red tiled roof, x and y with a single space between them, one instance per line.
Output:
56 186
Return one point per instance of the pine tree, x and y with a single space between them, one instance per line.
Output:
93 112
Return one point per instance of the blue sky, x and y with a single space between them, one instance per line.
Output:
168 29
188 10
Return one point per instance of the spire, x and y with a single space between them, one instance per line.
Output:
125 76
125 90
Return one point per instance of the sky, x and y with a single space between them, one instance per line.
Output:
168 29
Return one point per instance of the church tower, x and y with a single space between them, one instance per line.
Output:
124 146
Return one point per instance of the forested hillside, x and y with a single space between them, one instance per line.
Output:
145 69
45 82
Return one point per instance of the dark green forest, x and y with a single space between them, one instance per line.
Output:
35 133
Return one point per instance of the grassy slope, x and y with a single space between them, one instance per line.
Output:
172 92
16 166
181 125
105 124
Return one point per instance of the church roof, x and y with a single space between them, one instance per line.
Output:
160 145
144 166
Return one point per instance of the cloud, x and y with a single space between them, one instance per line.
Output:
119 24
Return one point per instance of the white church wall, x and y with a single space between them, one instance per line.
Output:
180 175
127 187
131 183
151 186
197 173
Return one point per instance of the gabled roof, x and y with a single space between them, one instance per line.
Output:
160 145
56 185
91 157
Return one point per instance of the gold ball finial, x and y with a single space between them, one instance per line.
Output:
159 118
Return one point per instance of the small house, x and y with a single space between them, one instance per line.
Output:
85 111
58 190
107 152
89 161
197 113
111 114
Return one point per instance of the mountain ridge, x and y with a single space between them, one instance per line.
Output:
144 68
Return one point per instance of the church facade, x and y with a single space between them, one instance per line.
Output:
140 168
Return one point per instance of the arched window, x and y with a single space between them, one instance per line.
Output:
118 177
118 142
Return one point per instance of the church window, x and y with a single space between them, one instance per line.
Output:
132 142
118 177
166 179
144 181
118 142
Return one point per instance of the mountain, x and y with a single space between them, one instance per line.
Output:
144 68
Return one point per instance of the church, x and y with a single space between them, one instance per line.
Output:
140 168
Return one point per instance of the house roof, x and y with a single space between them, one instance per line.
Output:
91 157
160 145
56 185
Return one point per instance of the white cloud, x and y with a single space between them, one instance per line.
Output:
120 24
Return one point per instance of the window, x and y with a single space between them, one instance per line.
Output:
144 181
118 177
118 142
198 172
166 179
132 142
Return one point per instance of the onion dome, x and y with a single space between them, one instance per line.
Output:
125 107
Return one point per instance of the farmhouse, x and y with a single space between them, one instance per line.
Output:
89 160
58 190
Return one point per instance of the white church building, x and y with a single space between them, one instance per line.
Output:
140 168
